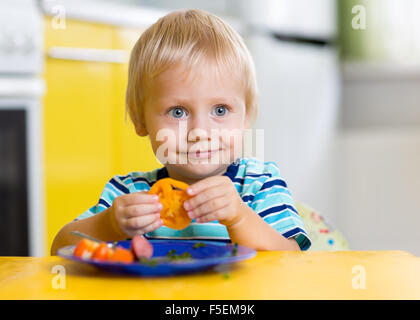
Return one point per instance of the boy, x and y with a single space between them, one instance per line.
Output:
191 70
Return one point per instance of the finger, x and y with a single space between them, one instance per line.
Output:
209 206
142 210
219 214
205 183
141 222
153 226
139 198
204 196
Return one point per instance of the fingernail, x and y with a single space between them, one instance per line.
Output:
187 205
190 214
190 191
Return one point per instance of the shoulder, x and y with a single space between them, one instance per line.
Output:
256 169
254 174
134 181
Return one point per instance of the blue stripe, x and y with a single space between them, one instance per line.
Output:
238 180
119 186
242 180
260 196
277 209
281 217
248 198
110 192
292 232
259 175
277 182
141 179
122 178
103 202
303 241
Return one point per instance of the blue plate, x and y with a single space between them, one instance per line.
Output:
202 257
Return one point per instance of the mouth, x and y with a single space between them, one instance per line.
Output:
202 154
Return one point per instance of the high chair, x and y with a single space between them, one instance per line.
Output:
324 236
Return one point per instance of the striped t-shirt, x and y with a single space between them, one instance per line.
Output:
258 183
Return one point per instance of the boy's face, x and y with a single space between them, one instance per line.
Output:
199 112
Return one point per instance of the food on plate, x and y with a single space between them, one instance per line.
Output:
121 255
85 248
173 213
102 252
199 245
235 249
172 255
89 249
141 247
140 250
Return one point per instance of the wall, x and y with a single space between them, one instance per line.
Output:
299 93
378 157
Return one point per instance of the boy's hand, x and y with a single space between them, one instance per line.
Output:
215 198
136 213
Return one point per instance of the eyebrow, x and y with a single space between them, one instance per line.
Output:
213 100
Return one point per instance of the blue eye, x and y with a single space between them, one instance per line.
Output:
177 112
220 110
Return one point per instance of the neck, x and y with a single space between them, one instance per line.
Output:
191 180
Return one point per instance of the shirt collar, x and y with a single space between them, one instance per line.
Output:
231 171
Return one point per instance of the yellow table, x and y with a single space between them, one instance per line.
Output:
269 275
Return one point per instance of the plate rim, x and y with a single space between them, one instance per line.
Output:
198 263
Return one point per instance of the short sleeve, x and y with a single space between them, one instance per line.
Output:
115 187
274 203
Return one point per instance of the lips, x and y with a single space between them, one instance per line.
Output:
202 153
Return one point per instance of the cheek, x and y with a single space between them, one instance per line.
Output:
232 135
165 138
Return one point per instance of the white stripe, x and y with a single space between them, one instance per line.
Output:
274 166
262 192
293 227
293 214
273 194
251 182
112 191
276 222
123 184
213 224
100 204
295 223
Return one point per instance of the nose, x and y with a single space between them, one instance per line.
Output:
199 127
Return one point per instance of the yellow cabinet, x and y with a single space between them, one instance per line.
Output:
86 137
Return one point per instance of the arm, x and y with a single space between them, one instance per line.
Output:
215 198
130 214
252 231
99 226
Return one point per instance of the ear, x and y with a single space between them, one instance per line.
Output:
141 130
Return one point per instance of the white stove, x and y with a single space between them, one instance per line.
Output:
21 90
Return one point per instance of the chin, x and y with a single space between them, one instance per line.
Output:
200 170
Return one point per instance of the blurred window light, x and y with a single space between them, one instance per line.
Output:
402 29
392 32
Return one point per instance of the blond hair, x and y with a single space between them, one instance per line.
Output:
187 36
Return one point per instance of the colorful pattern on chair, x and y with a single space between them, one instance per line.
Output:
323 235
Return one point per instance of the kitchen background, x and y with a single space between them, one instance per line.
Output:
339 104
